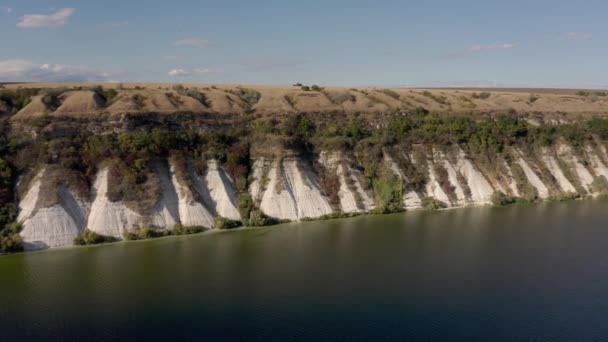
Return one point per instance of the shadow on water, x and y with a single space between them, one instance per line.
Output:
518 272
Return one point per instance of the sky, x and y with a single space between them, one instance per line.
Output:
533 43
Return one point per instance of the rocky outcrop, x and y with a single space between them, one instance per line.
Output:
107 217
353 198
293 192
51 226
218 192
533 179
553 166
192 212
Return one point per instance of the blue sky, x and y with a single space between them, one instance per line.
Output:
352 43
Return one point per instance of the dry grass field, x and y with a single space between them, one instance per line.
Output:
77 99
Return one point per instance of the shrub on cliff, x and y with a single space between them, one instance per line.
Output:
226 223
499 199
178 229
89 237
10 241
11 244
430 203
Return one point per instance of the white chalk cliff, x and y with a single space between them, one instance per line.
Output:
51 226
287 187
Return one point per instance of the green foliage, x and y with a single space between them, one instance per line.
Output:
225 223
249 96
315 87
40 121
89 237
598 126
178 229
305 88
257 219
600 185
388 190
11 244
10 241
500 199
301 126
18 98
430 203
568 196
246 205
109 95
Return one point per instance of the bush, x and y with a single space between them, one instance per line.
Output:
11 243
89 237
388 190
246 205
483 95
430 203
600 185
305 88
249 96
315 87
178 229
257 219
226 223
500 199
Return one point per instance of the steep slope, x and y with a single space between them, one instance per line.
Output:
292 192
51 226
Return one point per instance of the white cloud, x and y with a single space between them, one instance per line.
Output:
194 72
178 73
192 42
576 36
6 9
56 19
19 70
480 48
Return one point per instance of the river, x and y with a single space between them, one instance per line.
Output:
523 272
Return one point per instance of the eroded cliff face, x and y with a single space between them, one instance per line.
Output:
288 187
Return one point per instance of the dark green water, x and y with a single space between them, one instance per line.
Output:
518 273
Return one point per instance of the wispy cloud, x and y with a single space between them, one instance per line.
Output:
113 24
197 42
6 10
56 19
179 72
489 47
23 70
576 36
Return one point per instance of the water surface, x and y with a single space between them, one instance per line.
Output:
531 272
